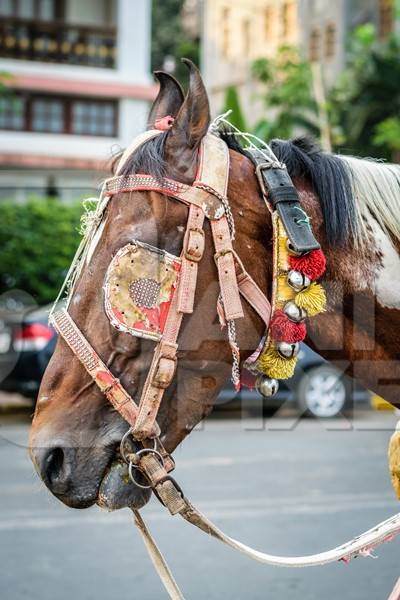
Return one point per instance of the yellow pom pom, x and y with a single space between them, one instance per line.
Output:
273 365
312 299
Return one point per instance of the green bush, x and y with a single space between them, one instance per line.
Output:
38 240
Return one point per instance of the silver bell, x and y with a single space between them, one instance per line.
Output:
266 387
294 312
288 350
298 281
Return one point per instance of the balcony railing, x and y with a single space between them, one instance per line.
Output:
58 42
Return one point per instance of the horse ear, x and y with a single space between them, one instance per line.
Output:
169 99
193 119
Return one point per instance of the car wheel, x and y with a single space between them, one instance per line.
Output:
323 392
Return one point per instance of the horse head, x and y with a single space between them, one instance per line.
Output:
76 432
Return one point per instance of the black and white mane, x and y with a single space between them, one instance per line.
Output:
350 190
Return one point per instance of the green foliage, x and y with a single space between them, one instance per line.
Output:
169 39
232 102
387 134
38 241
366 102
288 92
5 82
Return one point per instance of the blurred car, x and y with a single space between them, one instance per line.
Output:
26 345
318 388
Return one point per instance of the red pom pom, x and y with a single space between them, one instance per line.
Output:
312 264
284 330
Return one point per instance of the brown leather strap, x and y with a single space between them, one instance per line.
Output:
102 376
224 258
171 495
193 250
104 379
254 296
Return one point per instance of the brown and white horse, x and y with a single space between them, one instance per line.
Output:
355 210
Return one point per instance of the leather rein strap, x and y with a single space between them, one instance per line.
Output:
206 199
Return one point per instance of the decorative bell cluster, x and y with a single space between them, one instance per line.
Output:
298 296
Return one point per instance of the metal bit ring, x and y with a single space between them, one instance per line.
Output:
131 477
122 446
133 466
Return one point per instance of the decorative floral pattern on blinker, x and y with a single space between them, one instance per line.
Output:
139 287
296 296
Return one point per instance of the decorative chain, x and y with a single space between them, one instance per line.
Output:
227 208
235 375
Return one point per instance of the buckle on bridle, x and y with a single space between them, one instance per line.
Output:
164 372
266 166
194 244
222 253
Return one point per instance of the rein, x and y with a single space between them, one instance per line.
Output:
295 295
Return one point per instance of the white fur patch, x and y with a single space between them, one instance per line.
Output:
387 283
95 241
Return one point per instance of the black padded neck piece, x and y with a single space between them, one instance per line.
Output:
279 191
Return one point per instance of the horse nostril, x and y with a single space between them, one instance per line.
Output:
56 470
53 463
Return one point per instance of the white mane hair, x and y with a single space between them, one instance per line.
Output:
376 188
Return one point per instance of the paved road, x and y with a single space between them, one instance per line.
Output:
286 492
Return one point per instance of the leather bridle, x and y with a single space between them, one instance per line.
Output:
206 199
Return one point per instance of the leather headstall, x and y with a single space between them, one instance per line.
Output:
278 189
206 198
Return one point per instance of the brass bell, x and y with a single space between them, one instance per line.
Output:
288 350
298 281
266 387
294 312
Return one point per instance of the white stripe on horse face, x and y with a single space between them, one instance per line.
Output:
387 282
95 241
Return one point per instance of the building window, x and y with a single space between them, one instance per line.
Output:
330 41
12 112
269 22
35 30
315 45
42 10
53 114
385 17
246 26
93 118
226 33
48 115
289 16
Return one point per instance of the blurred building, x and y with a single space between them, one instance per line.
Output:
235 33
325 27
79 71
